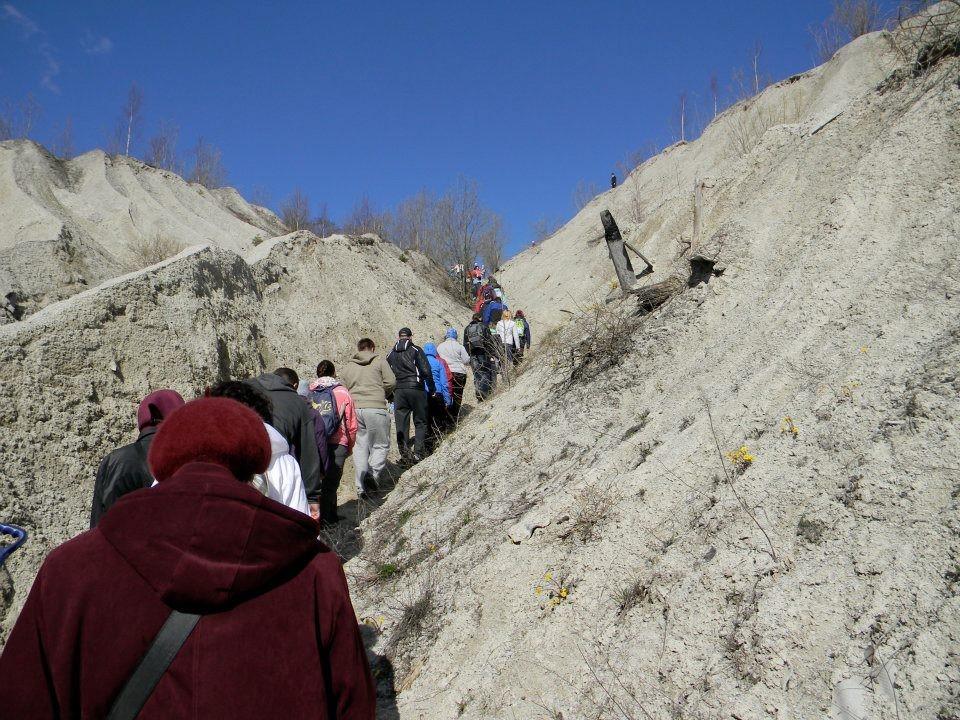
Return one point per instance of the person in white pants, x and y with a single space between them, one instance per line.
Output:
370 381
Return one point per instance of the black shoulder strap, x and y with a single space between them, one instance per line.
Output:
153 665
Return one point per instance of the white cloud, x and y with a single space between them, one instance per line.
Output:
96 44
47 52
28 26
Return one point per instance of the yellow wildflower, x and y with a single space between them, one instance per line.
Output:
564 592
548 577
538 589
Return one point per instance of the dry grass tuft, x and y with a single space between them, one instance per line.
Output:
595 505
149 250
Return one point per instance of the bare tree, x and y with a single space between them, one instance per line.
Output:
17 121
322 224
295 211
208 167
413 222
132 113
583 193
366 218
467 229
162 148
261 196
755 63
682 110
715 92
544 227
30 112
64 147
849 20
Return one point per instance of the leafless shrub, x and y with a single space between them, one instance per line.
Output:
583 193
544 227
208 169
748 123
603 336
849 20
150 249
931 36
417 622
162 148
594 506
295 211
64 147
634 594
17 121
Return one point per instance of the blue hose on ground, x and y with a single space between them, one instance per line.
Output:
18 534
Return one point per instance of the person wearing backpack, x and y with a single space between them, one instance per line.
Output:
370 380
335 405
457 358
412 371
478 342
523 331
256 614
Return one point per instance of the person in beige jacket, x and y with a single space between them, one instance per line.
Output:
370 381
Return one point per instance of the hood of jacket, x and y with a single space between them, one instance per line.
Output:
403 345
274 382
322 383
278 443
363 357
430 349
204 541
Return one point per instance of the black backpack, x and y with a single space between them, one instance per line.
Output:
475 338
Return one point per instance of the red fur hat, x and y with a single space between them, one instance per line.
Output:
214 430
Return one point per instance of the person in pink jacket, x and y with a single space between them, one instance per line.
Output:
340 440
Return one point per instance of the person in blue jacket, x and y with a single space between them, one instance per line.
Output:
443 397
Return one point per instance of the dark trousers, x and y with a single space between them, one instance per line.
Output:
482 374
407 402
459 383
331 482
439 417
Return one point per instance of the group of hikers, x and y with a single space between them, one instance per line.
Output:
206 526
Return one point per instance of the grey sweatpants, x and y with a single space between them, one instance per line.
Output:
373 442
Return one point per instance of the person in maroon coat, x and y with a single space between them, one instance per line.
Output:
277 636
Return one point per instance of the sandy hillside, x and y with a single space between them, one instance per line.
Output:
72 373
749 497
66 226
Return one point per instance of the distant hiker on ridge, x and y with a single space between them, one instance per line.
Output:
613 180
412 371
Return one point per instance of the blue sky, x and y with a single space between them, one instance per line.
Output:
382 98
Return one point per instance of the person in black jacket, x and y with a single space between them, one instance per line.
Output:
479 342
412 371
125 469
291 416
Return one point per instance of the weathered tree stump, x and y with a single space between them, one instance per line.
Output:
653 296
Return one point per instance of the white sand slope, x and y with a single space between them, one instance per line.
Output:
69 225
817 580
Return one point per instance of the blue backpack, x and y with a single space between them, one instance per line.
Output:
323 401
